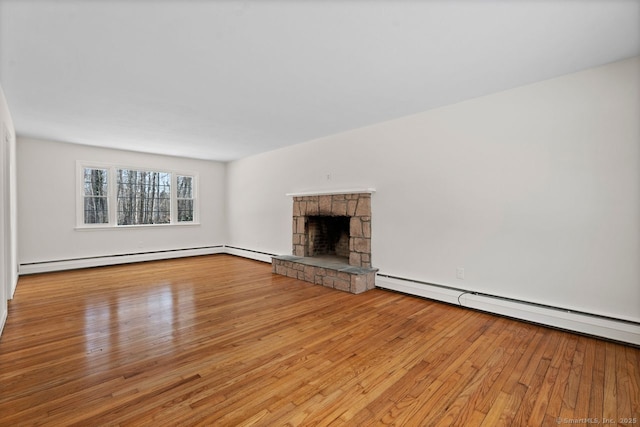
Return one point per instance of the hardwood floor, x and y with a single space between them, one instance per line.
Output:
219 340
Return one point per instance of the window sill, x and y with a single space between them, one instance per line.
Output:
127 227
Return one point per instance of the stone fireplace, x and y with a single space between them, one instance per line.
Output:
331 241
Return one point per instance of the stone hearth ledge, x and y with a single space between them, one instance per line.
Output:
326 272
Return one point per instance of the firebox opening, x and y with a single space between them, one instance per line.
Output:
328 236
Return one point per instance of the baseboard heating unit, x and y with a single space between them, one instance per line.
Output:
584 323
99 261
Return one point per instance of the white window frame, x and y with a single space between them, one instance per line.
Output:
174 197
112 191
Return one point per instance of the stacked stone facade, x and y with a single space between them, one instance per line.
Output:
350 279
357 206
357 275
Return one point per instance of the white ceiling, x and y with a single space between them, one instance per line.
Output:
226 79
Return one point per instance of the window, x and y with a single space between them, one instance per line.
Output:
185 198
95 197
143 197
114 196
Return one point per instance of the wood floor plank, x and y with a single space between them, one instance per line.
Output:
633 366
584 380
220 340
609 406
567 398
508 379
596 399
495 414
534 384
554 380
488 365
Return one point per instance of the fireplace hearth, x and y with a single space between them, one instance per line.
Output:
331 242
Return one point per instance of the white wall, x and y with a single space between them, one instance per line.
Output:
47 200
535 191
8 209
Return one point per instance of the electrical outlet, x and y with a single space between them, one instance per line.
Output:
460 273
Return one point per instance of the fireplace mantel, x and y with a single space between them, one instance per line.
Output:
330 192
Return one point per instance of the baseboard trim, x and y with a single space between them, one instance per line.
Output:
5 316
14 285
583 323
100 261
249 253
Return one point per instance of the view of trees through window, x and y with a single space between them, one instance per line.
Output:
141 197
96 210
185 198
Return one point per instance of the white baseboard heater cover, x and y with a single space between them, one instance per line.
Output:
604 327
249 253
100 261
